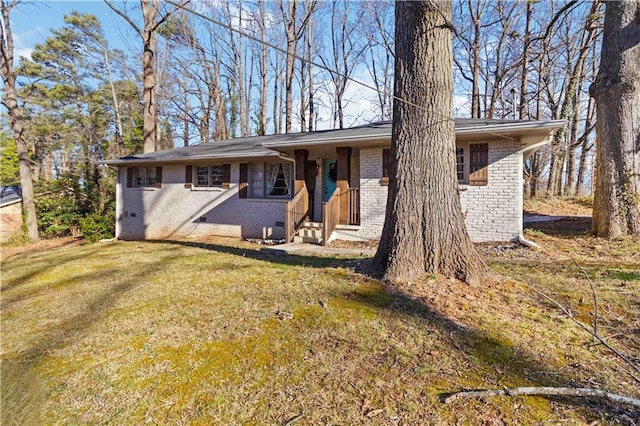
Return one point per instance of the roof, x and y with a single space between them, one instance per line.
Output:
368 134
10 195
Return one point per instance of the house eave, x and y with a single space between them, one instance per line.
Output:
541 129
186 159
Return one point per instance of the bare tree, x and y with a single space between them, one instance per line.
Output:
16 118
379 53
261 20
153 19
294 28
345 54
616 209
573 82
424 228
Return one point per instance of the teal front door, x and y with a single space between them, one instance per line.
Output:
330 178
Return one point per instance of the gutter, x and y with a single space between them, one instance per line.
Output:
285 157
186 159
386 137
379 137
513 126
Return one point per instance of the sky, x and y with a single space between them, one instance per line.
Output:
31 23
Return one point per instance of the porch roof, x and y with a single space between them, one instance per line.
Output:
532 135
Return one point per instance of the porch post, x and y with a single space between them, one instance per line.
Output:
301 157
344 172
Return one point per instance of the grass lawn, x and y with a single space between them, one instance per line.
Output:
213 332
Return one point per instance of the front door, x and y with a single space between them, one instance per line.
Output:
330 179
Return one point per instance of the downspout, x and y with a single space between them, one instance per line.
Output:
522 240
119 203
284 156
526 153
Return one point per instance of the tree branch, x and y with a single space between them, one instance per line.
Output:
166 15
124 16
613 350
547 391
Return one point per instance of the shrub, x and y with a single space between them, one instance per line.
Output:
96 227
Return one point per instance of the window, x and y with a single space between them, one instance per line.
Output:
207 176
460 164
478 164
386 165
210 175
141 177
270 180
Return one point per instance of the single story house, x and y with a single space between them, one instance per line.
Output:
320 185
10 212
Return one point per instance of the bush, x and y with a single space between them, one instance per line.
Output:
96 227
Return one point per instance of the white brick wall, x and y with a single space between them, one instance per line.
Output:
175 211
373 196
492 212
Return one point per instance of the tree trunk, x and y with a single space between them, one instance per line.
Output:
575 77
150 10
16 120
149 78
616 209
262 121
586 146
309 68
290 28
424 229
119 143
303 91
524 82
276 97
475 92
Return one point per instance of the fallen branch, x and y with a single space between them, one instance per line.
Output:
569 315
547 391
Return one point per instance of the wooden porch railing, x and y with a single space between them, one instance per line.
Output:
296 211
354 206
330 215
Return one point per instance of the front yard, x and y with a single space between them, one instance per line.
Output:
213 332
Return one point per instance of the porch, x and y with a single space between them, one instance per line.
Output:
327 194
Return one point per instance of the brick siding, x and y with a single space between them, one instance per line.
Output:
176 211
492 212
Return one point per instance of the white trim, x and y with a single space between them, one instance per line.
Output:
10 203
493 130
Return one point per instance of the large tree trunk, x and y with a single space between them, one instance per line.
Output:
616 209
16 119
424 229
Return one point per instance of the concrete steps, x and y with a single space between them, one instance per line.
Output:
310 233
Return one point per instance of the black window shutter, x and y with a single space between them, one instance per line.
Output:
188 176
386 161
244 180
158 177
129 177
479 172
226 176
